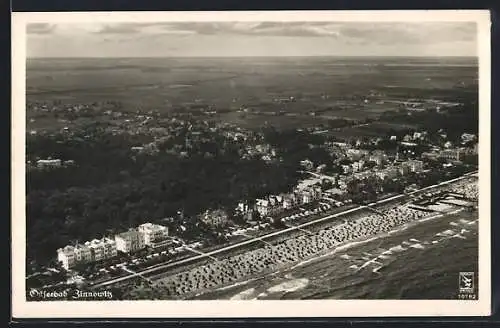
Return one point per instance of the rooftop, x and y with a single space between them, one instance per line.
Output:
151 226
128 234
103 241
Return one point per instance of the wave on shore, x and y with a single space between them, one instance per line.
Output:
244 295
334 251
289 286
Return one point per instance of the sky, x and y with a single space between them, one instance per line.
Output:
234 39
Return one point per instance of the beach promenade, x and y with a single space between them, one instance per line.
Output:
270 258
259 259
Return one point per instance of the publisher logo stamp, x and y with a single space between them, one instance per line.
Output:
466 282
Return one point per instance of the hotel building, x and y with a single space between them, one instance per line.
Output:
153 233
102 249
66 256
130 241
96 250
70 256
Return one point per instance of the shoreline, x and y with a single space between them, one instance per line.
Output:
240 269
342 247
317 223
213 275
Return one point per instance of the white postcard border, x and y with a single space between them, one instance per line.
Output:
233 309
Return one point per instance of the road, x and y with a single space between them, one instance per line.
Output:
342 127
274 234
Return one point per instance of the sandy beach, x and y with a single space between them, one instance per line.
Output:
270 258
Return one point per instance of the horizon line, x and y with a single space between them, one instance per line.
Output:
256 56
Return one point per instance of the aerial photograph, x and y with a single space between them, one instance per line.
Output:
251 160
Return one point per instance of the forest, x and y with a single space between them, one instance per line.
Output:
110 189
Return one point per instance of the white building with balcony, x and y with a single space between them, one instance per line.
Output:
153 232
90 251
70 256
101 249
130 241
66 256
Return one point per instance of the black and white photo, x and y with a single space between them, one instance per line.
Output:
253 157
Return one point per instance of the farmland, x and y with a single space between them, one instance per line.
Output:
288 92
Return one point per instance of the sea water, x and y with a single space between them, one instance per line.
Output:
418 262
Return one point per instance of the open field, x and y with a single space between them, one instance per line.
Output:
375 129
331 87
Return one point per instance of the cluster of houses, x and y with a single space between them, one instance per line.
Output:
145 235
275 204
215 218
451 154
265 151
236 135
403 168
417 136
388 172
149 148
